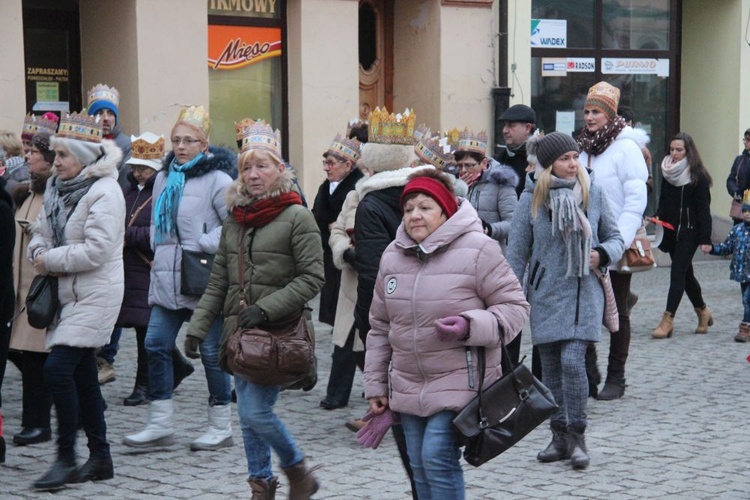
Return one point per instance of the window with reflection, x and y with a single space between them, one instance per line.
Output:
635 24
578 13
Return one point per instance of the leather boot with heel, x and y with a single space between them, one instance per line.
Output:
665 328
302 482
614 388
96 469
62 472
559 448
704 319
744 334
263 489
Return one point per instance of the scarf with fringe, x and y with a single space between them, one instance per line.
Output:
570 222
675 173
165 210
594 143
261 212
61 198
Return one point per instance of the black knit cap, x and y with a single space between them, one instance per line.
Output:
553 145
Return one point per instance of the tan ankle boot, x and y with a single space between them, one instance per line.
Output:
704 319
744 333
665 328
302 482
263 489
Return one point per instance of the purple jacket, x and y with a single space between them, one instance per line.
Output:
135 311
456 270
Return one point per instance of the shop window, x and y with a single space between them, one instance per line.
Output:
578 15
635 24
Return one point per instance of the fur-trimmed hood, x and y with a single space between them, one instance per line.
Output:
218 158
638 135
237 195
107 164
500 174
388 179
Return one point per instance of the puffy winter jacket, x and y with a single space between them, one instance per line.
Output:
456 270
494 198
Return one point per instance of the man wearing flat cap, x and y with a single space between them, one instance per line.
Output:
518 124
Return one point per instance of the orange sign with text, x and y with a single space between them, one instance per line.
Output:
234 47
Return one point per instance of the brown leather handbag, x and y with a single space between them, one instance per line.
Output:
276 353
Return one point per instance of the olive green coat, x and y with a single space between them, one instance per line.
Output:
283 269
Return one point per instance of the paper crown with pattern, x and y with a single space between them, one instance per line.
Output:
146 148
389 128
33 125
346 148
197 116
239 127
260 135
80 126
431 148
102 92
470 142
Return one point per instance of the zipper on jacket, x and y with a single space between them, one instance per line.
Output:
390 378
541 275
679 223
578 300
416 329
470 366
533 272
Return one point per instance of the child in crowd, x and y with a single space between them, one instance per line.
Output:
738 244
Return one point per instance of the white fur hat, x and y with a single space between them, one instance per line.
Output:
383 157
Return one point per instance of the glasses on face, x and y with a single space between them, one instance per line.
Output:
331 163
187 141
466 166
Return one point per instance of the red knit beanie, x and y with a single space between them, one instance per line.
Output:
435 190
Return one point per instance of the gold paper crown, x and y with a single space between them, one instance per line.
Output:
453 136
746 197
33 125
101 92
80 126
429 148
387 128
197 116
348 148
260 135
239 127
470 142
142 149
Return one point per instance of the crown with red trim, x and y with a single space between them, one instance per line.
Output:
33 125
389 128
80 126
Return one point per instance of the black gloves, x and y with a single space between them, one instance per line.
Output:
252 316
349 256
191 347
487 229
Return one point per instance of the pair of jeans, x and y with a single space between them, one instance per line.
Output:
163 327
682 278
37 401
262 429
434 455
109 351
564 368
745 287
71 377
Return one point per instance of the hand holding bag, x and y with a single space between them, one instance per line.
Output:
611 319
42 301
502 414
638 257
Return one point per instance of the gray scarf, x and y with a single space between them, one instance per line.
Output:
61 199
570 222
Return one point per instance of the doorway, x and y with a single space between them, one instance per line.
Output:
375 55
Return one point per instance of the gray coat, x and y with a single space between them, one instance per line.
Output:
562 308
494 198
199 217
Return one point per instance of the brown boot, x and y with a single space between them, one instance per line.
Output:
704 319
302 482
744 334
665 328
263 489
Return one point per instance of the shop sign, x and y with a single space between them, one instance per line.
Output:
631 66
234 47
581 65
241 7
554 66
549 33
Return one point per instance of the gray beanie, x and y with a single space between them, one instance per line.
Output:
86 152
550 147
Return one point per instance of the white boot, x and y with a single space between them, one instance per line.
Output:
219 433
159 430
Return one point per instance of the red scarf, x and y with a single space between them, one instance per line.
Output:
264 211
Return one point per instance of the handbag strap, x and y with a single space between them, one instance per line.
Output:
138 211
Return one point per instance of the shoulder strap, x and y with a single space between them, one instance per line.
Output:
138 211
241 266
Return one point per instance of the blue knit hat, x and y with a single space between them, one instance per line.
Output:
103 97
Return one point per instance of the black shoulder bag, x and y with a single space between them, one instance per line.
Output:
195 269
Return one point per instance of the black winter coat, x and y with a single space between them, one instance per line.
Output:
688 209
739 176
7 242
326 209
135 311
378 216
517 160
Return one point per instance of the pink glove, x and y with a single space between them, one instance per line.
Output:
452 328
372 434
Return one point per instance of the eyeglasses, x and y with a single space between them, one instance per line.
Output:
330 163
466 166
187 141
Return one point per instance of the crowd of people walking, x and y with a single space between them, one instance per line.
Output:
426 251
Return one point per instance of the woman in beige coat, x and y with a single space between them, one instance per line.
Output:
25 339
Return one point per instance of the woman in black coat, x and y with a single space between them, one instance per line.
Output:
342 174
685 203
739 177
7 241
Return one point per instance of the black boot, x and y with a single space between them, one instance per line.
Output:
138 397
32 435
61 473
592 371
181 368
2 450
614 388
559 447
579 457
96 469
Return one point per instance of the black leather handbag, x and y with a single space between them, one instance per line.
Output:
195 271
503 413
42 301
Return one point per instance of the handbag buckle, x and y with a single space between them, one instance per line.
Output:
483 424
523 394
639 246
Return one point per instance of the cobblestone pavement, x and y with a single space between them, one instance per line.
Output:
681 431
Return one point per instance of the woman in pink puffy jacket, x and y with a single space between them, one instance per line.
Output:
443 290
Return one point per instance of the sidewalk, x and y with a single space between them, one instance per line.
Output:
682 429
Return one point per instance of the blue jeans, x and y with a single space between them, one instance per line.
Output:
262 429
109 351
163 327
71 377
434 455
745 287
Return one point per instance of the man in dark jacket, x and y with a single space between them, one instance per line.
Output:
518 124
